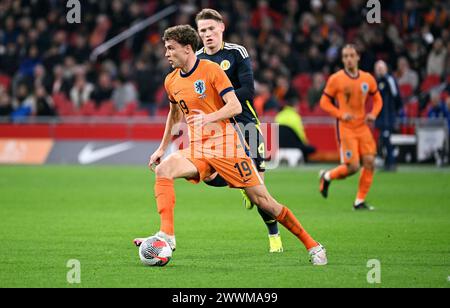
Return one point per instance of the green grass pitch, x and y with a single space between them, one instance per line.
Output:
52 214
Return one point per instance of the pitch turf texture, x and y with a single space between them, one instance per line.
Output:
52 214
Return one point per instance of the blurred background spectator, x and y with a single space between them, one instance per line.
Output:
294 45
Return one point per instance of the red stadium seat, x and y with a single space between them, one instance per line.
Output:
5 81
162 112
270 113
412 109
141 113
301 83
88 108
430 82
106 109
406 90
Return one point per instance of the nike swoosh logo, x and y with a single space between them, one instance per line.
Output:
88 155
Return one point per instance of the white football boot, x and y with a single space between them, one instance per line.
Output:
170 239
318 255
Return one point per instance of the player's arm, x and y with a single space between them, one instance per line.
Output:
175 115
326 101
377 101
231 108
246 92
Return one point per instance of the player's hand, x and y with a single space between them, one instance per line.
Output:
370 118
155 159
198 119
346 117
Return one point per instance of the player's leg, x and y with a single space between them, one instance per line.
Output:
173 167
275 243
257 149
349 166
261 197
367 148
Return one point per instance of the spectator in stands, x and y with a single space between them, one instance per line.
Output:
42 103
316 90
264 101
5 102
386 120
292 133
41 78
405 75
146 89
60 84
296 36
22 103
124 92
103 90
436 59
27 66
81 90
439 107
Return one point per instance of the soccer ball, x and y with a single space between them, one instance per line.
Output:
155 251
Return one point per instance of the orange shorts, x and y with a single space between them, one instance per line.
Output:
238 172
356 143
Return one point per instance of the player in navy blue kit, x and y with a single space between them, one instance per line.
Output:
235 61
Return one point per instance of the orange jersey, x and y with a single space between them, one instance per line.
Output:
350 95
200 91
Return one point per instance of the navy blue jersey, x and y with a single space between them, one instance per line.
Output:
235 61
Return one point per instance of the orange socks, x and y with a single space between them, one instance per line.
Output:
365 181
340 172
288 220
165 201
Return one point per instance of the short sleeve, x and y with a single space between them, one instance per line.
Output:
331 87
373 87
220 80
169 94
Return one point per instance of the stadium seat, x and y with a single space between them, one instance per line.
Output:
303 109
106 109
301 83
406 90
5 81
270 113
412 109
162 112
88 108
141 113
430 82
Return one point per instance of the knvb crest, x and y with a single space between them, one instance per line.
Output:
365 87
200 88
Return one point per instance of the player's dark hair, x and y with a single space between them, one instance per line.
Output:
184 35
351 46
208 14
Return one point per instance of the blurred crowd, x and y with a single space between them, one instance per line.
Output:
295 45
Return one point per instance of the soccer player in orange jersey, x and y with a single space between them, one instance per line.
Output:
200 91
344 97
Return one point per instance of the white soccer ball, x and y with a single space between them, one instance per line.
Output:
155 251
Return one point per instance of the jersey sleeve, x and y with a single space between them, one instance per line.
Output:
377 99
328 96
168 91
331 88
373 87
246 80
220 80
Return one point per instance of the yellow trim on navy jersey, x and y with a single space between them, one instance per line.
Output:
254 114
